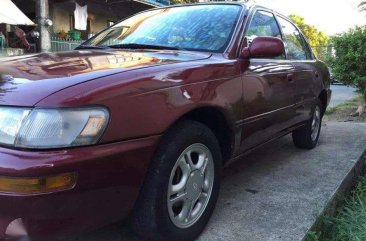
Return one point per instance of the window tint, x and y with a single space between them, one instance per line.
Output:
294 41
263 24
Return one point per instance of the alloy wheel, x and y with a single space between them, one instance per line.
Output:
190 185
316 122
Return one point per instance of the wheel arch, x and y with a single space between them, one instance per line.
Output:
323 97
218 121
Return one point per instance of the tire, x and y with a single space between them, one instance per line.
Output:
155 217
307 136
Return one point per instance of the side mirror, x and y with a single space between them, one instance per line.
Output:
264 47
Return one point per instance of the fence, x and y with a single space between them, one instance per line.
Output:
59 44
2 45
5 51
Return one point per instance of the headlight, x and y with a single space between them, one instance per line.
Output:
51 128
10 122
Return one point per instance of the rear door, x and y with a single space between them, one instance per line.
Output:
305 75
268 87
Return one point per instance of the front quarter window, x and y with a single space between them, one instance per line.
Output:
201 27
263 24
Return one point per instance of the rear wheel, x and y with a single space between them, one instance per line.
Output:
307 136
181 187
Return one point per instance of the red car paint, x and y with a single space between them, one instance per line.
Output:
146 92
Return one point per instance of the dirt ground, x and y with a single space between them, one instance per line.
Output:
344 111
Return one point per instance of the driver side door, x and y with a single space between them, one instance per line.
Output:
268 88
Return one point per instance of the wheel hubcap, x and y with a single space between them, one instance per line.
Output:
190 185
194 185
315 125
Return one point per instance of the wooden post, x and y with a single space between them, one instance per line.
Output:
42 12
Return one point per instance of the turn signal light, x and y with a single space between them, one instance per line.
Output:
36 185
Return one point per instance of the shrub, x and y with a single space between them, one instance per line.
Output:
349 60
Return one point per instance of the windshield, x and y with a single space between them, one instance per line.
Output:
200 27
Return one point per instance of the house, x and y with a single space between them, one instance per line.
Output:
100 15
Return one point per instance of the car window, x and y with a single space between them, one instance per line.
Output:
296 49
263 24
200 27
309 53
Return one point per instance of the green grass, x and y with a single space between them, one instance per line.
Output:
313 236
349 223
353 103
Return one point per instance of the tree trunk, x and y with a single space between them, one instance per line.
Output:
361 108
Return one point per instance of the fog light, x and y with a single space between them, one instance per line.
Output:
36 185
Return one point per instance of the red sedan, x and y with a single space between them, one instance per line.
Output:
141 118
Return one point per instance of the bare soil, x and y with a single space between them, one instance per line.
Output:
344 111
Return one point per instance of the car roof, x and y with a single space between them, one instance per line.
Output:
247 6
203 3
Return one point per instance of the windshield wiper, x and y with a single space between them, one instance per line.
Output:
143 46
90 47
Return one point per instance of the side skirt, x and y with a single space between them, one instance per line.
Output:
253 149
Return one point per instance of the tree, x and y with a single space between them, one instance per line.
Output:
349 62
362 6
317 39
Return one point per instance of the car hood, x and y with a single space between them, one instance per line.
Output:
26 80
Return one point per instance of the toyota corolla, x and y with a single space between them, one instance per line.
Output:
139 120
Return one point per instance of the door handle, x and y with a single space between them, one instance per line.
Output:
290 77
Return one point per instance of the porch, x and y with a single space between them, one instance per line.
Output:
56 35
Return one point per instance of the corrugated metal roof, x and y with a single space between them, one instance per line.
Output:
11 14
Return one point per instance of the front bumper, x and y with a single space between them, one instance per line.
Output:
109 178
